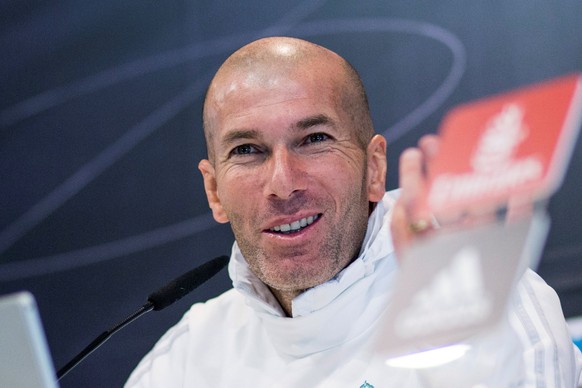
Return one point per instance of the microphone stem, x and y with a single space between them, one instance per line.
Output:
159 300
100 340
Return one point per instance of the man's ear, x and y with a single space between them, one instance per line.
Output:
376 168
209 177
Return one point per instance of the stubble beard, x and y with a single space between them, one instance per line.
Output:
339 248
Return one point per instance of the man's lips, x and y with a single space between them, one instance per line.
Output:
294 226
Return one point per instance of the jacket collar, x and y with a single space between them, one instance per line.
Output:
356 296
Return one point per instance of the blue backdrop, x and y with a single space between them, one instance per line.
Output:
100 136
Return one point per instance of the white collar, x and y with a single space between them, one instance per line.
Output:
351 290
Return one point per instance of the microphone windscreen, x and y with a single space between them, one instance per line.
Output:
185 283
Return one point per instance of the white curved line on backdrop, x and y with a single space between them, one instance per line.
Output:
155 120
103 252
60 95
445 89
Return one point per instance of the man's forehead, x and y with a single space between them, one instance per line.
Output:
269 66
240 88
239 96
315 73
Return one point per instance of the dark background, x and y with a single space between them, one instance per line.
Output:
100 137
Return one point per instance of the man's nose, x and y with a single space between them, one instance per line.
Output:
286 174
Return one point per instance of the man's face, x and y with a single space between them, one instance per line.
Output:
289 175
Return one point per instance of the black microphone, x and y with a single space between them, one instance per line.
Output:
157 301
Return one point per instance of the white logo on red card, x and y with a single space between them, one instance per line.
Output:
510 145
495 167
498 143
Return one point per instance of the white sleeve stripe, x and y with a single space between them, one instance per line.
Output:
541 314
541 349
533 338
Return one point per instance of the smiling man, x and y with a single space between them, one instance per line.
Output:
291 167
295 168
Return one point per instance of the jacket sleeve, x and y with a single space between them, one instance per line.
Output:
550 357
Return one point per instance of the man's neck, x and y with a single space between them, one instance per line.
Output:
285 299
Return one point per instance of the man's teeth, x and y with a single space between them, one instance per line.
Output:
295 225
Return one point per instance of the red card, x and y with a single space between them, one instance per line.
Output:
514 144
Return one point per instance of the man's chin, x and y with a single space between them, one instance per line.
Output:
294 281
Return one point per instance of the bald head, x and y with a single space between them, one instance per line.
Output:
264 62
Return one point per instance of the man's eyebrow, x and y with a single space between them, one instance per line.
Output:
306 123
239 134
313 121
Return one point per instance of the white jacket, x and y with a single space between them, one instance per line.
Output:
243 339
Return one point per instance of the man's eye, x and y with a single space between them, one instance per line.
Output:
244 149
316 138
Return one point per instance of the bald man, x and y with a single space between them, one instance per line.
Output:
295 167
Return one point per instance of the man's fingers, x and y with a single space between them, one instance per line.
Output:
429 145
413 184
412 216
